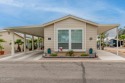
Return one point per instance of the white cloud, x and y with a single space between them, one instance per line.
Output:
11 3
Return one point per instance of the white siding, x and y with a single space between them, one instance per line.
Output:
91 31
49 33
69 23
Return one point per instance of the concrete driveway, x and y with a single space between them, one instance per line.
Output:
32 55
104 55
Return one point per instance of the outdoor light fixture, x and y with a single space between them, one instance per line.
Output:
90 38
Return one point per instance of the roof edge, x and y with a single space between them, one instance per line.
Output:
69 16
117 25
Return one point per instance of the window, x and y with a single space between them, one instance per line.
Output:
63 39
70 39
76 39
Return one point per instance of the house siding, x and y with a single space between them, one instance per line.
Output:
49 33
91 32
68 23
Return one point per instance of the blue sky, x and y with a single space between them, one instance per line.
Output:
33 12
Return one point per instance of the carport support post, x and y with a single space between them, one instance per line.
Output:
24 43
117 38
32 43
12 43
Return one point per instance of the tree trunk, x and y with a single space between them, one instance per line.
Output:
19 48
120 43
102 44
123 43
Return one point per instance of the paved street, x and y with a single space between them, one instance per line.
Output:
62 72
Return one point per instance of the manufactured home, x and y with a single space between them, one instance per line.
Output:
69 33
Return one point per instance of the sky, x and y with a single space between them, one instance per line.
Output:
35 12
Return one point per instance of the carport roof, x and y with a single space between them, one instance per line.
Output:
106 27
39 30
30 30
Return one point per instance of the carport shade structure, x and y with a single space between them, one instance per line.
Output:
39 30
30 30
103 28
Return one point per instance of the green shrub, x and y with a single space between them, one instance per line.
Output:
70 53
53 54
84 54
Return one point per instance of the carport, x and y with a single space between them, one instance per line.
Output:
105 28
37 31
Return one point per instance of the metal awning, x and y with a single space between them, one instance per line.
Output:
31 30
104 27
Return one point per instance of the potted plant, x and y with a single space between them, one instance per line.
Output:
1 47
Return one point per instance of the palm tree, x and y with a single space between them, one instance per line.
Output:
35 44
40 40
19 42
122 38
103 36
1 47
1 41
30 44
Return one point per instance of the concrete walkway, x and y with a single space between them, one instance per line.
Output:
104 55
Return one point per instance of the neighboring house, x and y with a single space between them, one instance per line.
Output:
7 36
69 32
113 43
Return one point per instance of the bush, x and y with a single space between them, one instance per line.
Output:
70 53
84 54
53 54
